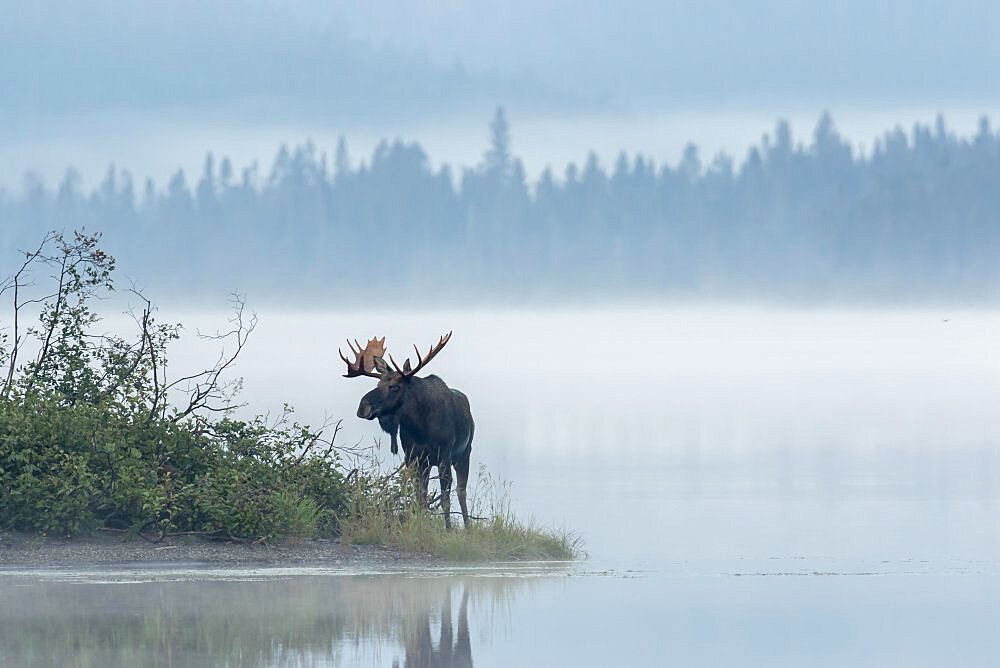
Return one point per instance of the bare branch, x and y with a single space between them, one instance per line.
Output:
15 282
205 388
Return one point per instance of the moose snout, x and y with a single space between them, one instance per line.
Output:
365 411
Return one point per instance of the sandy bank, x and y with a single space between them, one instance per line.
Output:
31 551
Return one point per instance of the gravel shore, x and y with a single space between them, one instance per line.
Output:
32 551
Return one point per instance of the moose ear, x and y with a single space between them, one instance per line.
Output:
381 366
406 366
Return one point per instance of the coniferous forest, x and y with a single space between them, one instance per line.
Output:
916 217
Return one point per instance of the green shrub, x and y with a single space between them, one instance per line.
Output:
46 483
68 469
90 436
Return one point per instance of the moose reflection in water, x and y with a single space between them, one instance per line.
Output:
434 421
138 620
454 646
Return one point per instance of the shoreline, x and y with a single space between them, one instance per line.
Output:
36 552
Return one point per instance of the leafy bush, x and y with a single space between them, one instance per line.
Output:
46 481
92 435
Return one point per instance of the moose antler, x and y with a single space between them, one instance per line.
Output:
364 358
421 360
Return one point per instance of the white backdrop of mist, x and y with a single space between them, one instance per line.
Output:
750 433
783 370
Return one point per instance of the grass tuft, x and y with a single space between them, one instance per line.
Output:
382 512
300 515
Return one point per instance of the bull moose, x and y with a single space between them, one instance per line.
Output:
434 421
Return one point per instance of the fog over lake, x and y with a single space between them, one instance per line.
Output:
667 434
753 486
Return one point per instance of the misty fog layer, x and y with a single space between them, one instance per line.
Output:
694 440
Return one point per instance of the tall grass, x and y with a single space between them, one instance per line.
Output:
382 511
300 515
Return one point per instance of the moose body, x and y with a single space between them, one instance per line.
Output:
434 421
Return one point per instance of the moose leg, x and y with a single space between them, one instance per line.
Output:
462 473
444 475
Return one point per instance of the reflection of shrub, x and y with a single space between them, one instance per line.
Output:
92 433
294 621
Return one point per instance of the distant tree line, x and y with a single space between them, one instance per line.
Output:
917 217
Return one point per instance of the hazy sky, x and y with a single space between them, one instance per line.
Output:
670 51
628 54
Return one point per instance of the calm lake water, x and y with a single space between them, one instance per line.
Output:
754 488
